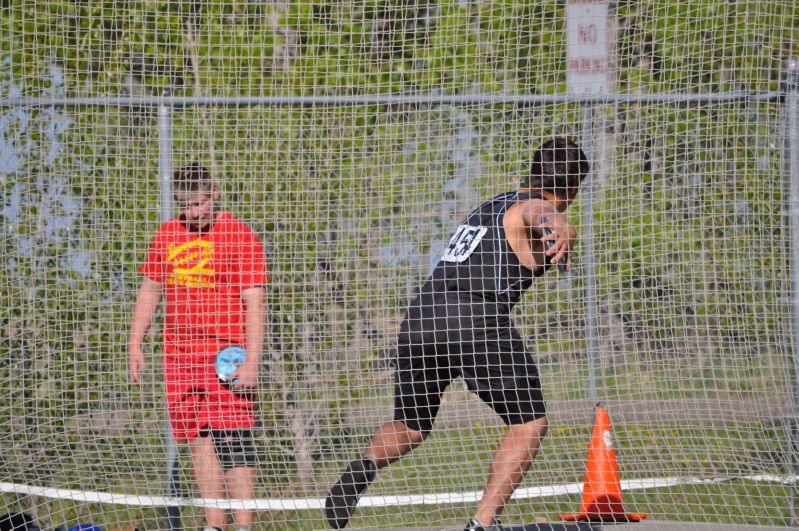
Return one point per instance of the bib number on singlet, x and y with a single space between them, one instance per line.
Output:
463 243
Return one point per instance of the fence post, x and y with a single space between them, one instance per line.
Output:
587 244
165 187
791 161
165 160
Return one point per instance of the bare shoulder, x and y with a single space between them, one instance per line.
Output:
529 211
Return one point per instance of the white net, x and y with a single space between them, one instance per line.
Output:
352 138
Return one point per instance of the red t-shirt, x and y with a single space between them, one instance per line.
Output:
203 276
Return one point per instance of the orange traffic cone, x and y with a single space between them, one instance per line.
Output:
602 487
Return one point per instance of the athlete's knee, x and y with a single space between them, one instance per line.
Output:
234 448
415 429
532 429
541 424
413 435
393 440
406 434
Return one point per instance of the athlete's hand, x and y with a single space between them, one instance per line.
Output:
135 364
246 377
558 244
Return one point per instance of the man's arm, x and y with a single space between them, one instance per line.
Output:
254 328
538 215
147 300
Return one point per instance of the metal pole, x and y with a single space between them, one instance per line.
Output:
791 158
165 185
390 99
165 160
587 238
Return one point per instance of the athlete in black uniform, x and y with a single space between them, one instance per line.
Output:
459 325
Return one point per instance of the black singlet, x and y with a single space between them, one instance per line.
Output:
478 260
460 325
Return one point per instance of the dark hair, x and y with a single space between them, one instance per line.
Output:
558 166
191 179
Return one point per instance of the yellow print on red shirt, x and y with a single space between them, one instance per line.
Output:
192 264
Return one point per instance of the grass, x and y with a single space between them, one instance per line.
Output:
456 460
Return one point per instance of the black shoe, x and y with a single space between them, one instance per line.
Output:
474 525
343 497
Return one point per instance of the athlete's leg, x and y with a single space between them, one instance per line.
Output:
236 454
502 373
511 460
421 377
241 486
391 441
209 476
417 397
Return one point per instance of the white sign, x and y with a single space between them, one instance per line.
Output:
587 47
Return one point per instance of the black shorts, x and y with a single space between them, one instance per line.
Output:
447 338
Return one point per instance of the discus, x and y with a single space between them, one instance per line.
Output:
227 362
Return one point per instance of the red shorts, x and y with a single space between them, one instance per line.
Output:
197 400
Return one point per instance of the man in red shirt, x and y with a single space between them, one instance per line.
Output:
211 271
